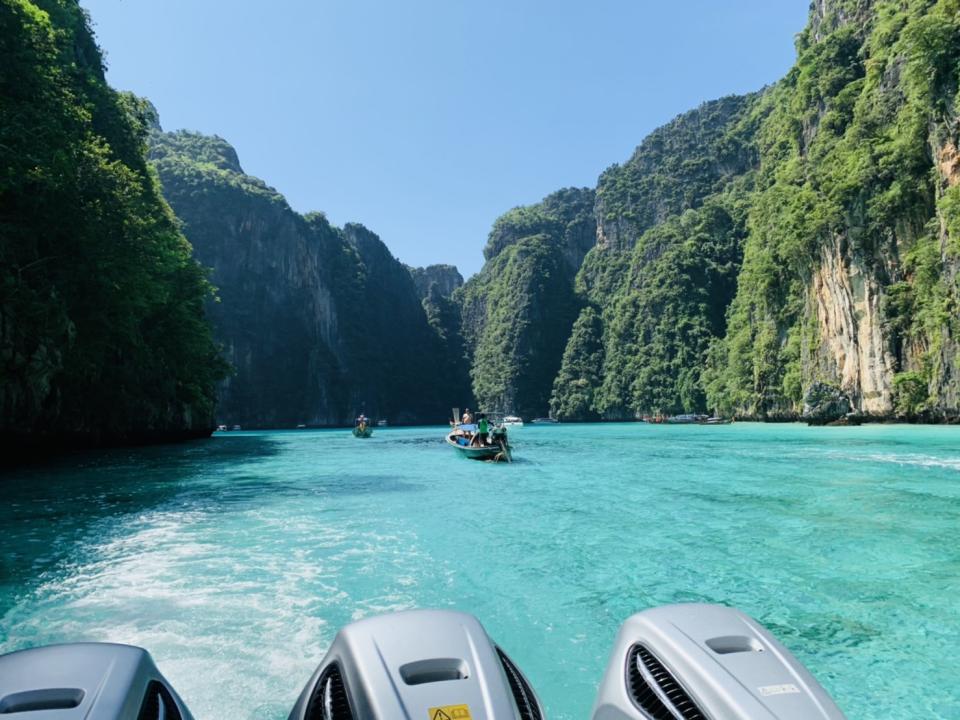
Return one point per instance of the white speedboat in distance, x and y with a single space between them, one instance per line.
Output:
512 421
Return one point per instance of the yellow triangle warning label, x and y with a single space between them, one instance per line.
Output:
449 712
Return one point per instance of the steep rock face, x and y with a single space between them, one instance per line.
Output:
436 285
848 273
446 277
854 352
578 381
659 325
102 333
395 356
670 225
319 323
567 216
518 310
761 246
275 317
673 169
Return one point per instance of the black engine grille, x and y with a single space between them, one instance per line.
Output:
523 695
677 705
329 700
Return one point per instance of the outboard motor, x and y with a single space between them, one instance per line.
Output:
706 662
87 681
431 664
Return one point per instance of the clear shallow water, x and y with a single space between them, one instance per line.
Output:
235 560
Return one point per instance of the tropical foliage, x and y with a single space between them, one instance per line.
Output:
102 331
701 290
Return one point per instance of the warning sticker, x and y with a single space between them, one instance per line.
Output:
450 712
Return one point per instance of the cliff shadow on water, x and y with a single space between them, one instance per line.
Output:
50 509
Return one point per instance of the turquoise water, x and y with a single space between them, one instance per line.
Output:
235 560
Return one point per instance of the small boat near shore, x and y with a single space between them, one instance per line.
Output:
545 421
512 421
685 419
716 421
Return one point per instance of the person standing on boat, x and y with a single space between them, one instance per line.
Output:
482 429
467 417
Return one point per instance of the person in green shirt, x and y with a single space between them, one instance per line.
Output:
482 429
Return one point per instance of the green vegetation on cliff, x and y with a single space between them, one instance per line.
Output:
681 277
852 166
319 322
575 388
758 248
518 311
807 236
670 230
102 332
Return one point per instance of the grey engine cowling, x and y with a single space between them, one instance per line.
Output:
86 681
679 662
429 664
706 662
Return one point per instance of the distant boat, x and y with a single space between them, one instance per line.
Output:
512 421
685 419
362 431
381 423
690 419
236 427
301 426
221 428
545 421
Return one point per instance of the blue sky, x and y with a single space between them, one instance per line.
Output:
427 119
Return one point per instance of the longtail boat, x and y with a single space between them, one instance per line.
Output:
465 439
362 431
497 449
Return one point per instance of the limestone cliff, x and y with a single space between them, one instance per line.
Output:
319 323
103 339
446 277
517 312
760 251
849 276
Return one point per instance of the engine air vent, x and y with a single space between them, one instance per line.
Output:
329 699
158 704
655 691
527 704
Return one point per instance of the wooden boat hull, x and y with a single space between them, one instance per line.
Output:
489 452
364 433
